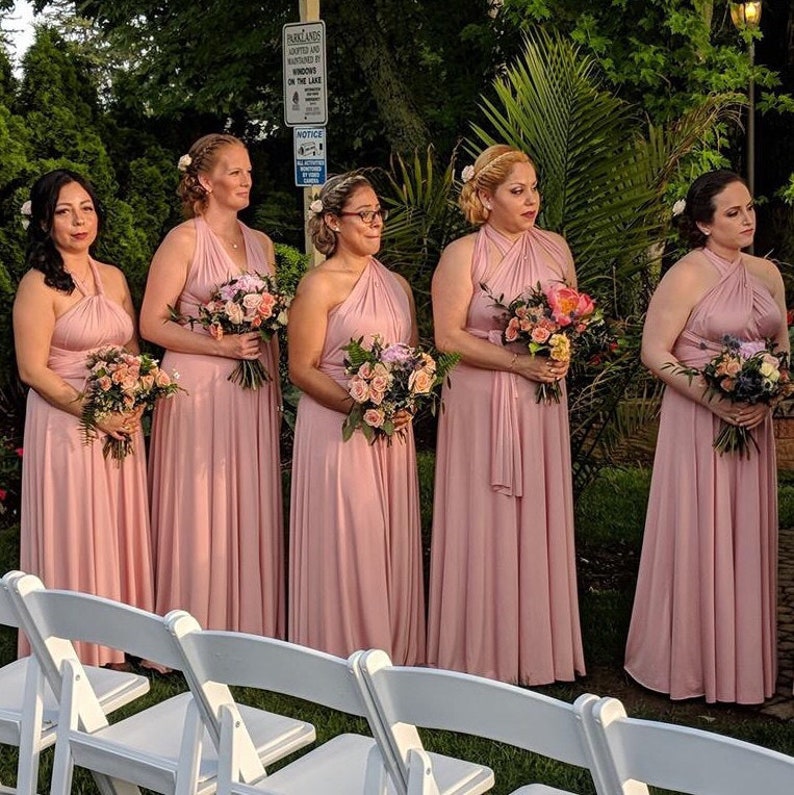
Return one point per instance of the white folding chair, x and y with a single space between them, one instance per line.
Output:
348 764
29 708
405 697
636 753
167 747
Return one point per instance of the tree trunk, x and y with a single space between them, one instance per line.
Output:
403 126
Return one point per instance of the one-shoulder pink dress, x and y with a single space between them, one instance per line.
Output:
503 599
214 474
705 608
355 552
85 518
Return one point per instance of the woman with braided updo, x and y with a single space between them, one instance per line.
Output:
503 600
84 518
214 470
355 551
704 616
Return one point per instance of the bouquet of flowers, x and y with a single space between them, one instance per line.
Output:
742 372
119 381
386 379
547 322
244 303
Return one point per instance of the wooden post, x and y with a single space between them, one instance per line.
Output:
310 12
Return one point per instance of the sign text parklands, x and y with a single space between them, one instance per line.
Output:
305 91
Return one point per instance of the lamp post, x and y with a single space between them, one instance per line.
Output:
747 16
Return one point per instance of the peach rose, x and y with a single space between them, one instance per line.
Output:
216 331
104 383
511 332
163 379
420 382
266 305
540 334
234 312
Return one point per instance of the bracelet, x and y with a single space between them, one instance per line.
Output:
513 362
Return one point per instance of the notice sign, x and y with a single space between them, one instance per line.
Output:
310 156
305 99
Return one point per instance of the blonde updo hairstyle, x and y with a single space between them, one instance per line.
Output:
203 158
491 169
334 194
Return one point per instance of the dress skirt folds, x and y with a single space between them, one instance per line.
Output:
215 476
705 609
85 518
503 599
355 550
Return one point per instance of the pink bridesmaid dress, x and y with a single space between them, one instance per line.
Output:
705 608
503 599
355 551
85 519
215 476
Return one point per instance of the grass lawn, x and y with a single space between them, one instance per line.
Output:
610 517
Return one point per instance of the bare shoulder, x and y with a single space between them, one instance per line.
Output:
457 255
765 269
111 274
32 287
266 245
691 272
317 282
181 236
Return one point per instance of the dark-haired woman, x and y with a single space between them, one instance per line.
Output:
85 521
705 608
214 465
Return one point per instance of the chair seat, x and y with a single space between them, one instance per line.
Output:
152 738
540 789
337 767
114 689
459 777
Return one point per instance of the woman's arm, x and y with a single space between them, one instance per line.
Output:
452 294
34 323
167 277
308 323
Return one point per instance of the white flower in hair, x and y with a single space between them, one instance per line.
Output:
679 207
26 210
467 173
184 162
316 206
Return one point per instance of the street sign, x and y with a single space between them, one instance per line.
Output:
310 156
305 83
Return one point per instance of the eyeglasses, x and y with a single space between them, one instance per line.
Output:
368 216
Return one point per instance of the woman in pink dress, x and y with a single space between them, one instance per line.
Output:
355 553
214 470
705 608
85 518
503 600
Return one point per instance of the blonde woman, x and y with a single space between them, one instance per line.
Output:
214 464
503 599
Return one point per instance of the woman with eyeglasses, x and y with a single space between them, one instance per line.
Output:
355 553
503 599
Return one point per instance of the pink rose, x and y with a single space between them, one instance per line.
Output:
374 418
252 300
511 332
376 395
540 334
365 371
234 312
266 305
732 367
162 378
104 383
358 389
379 383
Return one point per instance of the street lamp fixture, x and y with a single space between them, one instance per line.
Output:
747 16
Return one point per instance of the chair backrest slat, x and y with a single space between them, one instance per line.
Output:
684 759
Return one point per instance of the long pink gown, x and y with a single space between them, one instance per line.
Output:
503 600
85 519
355 552
705 608
214 474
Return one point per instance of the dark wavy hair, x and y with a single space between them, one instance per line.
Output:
700 205
41 253
334 194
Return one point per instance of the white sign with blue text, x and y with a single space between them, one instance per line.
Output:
310 156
